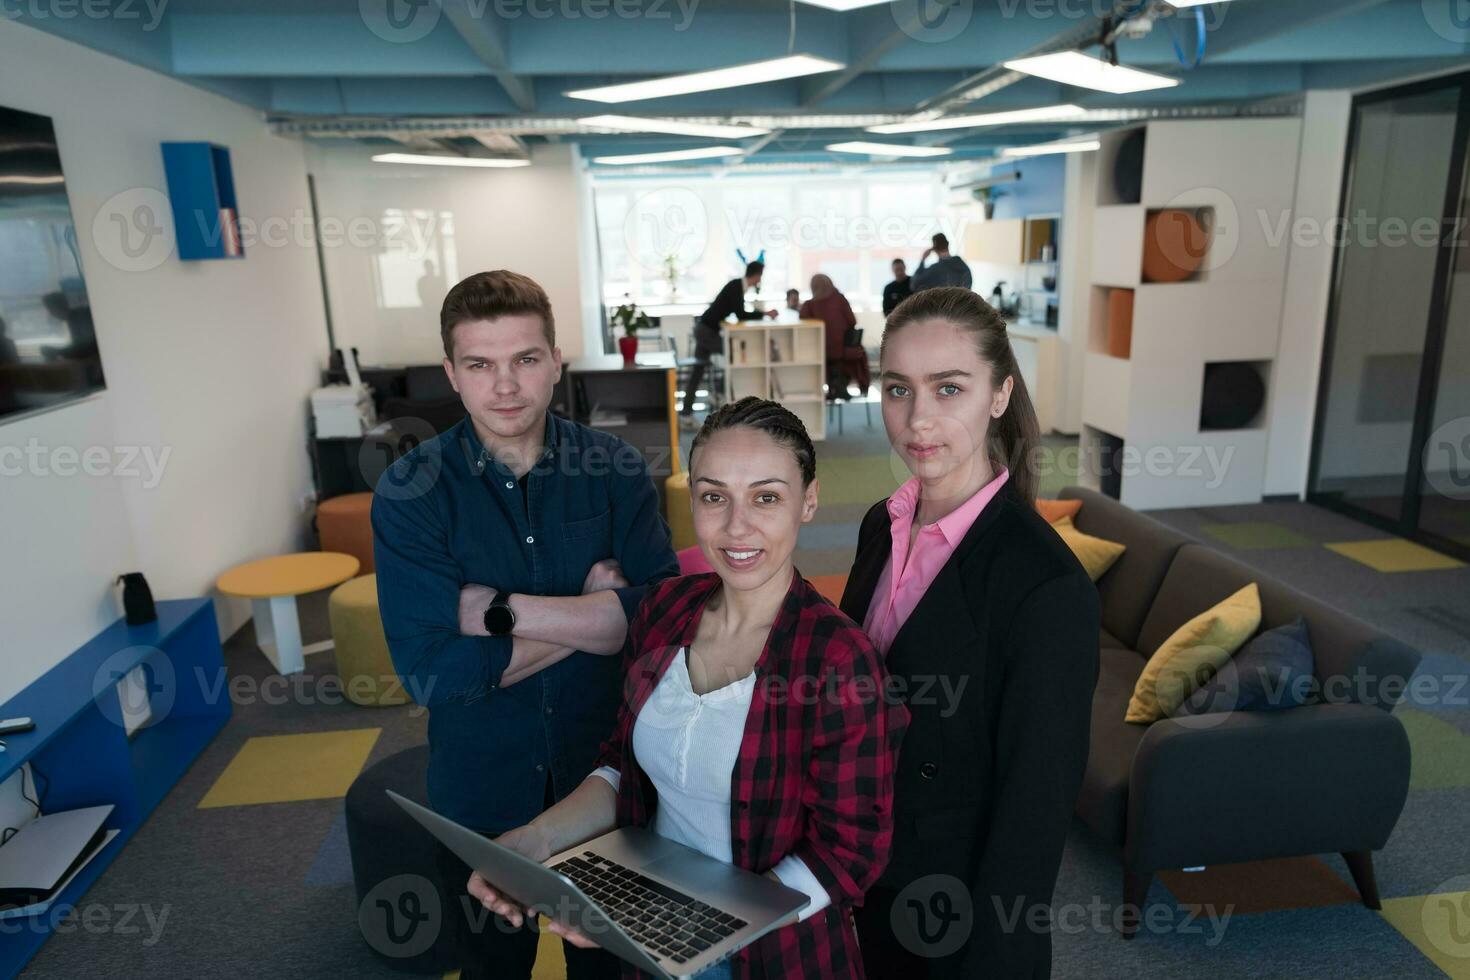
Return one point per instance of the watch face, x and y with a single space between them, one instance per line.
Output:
499 620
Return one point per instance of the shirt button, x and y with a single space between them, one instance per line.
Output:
550 710
530 539
540 767
928 770
510 485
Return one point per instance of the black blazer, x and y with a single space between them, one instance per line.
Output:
998 662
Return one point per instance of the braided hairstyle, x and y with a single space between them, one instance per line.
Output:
772 418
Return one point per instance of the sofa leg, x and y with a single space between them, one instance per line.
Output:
1360 863
1135 894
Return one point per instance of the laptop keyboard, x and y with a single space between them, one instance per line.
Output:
665 921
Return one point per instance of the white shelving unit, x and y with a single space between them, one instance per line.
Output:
783 360
1239 176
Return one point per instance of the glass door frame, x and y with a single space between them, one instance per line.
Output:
1407 525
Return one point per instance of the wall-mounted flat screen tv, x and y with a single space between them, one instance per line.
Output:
48 349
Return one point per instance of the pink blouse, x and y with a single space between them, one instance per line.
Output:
910 571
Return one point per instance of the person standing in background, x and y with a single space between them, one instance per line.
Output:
709 338
793 300
832 308
947 270
900 289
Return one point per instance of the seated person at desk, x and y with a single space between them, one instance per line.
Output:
949 270
844 359
709 336
900 289
793 300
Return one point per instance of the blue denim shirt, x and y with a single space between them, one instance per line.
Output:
448 514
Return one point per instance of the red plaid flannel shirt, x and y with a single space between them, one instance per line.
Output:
815 772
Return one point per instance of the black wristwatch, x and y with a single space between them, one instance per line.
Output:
500 619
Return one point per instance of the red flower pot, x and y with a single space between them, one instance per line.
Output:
629 348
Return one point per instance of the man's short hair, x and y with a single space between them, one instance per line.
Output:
939 241
754 268
488 295
793 289
898 262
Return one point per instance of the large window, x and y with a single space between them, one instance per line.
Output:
1392 441
677 240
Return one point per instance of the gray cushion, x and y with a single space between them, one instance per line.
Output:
1354 662
1103 800
1108 641
1128 587
1271 672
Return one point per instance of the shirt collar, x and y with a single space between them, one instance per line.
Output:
956 524
480 459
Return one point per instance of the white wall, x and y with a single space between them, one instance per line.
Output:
462 220
1293 405
209 361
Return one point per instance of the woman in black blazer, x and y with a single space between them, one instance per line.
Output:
990 629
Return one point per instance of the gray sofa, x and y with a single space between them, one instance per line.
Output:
1331 775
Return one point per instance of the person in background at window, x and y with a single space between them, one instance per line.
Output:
709 336
793 300
947 270
899 289
843 360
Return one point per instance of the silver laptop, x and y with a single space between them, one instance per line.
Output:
663 907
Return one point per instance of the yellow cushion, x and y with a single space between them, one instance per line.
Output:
1096 554
679 513
1192 654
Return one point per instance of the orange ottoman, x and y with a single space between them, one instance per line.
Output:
345 524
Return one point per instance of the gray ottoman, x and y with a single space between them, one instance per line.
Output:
403 911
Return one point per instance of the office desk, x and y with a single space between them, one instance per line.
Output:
784 360
635 403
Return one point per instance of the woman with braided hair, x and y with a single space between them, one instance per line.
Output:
716 745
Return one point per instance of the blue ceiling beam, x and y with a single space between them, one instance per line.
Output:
142 39
643 48
242 45
486 37
390 96
1382 32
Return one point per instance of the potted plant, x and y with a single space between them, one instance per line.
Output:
631 319
671 275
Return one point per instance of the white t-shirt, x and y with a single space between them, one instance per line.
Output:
687 744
